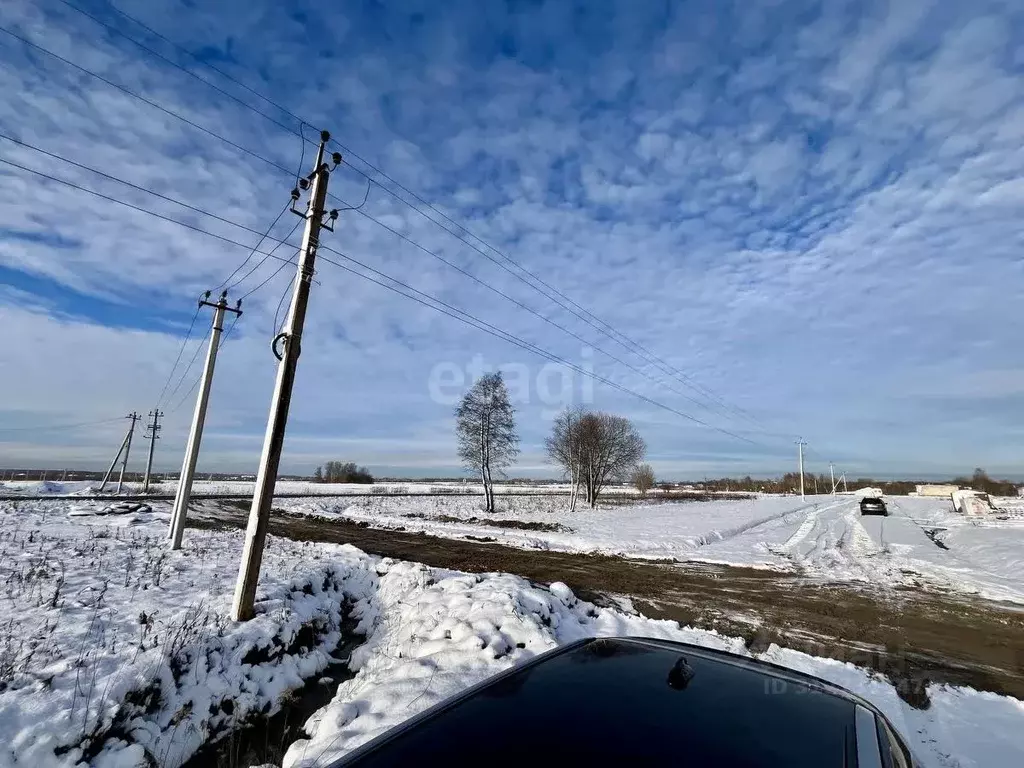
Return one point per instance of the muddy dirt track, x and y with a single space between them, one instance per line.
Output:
913 636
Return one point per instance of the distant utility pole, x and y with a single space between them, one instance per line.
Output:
153 434
832 474
195 435
800 448
290 340
127 449
126 443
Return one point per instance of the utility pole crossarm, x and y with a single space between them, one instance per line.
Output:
290 340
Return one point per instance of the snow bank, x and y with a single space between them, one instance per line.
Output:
114 651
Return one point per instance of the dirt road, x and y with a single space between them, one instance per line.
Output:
912 636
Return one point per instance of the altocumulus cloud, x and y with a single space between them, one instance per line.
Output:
811 209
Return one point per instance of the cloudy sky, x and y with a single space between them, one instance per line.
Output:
783 218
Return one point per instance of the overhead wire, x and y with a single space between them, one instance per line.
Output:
181 380
263 261
587 317
531 310
264 236
195 383
272 275
287 206
138 208
39 428
181 350
143 99
280 303
252 253
599 325
414 294
189 72
468 319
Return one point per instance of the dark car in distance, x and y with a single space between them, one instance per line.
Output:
873 505
637 701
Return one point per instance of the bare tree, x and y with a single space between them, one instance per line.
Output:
642 478
485 427
565 448
594 448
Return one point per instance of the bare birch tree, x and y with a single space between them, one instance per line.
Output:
642 479
485 428
594 449
565 448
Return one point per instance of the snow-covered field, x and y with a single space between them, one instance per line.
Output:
826 536
116 652
291 487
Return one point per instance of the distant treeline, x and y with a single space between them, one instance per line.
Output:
790 483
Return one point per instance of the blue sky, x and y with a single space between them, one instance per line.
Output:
813 210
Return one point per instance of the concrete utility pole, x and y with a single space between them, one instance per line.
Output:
290 340
832 474
800 448
153 435
127 448
110 469
195 435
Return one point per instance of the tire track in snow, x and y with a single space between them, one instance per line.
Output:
811 522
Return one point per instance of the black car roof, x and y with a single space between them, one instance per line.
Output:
633 700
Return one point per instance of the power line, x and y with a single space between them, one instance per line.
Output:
471 320
599 325
265 236
461 315
144 100
530 309
119 180
202 211
587 317
252 253
184 397
280 303
189 72
62 426
140 209
273 274
177 359
216 69
263 261
195 356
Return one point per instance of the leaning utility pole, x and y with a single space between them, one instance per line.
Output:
800 447
127 448
291 341
154 428
195 435
110 469
832 474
